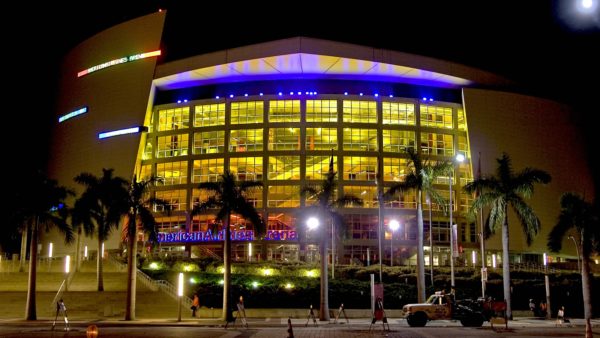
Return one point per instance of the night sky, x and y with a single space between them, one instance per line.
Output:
536 43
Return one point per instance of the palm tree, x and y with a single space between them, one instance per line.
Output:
82 224
228 197
139 214
325 207
578 215
102 204
40 203
499 192
421 178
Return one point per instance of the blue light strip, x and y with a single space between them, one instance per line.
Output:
73 114
122 132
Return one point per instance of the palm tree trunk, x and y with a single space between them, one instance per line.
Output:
324 301
587 295
78 251
420 253
99 267
227 314
506 265
131 277
23 258
30 312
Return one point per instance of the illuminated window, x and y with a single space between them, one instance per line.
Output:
463 146
284 111
441 231
311 199
398 113
318 166
465 202
177 199
464 173
283 196
404 200
247 168
360 111
394 169
367 193
208 170
444 194
281 221
255 197
147 151
321 138
284 167
204 223
172 172
362 227
201 196
438 117
172 119
321 111
360 139
247 112
242 140
145 172
284 139
357 168
172 145
398 141
209 142
462 119
437 144
209 115
170 223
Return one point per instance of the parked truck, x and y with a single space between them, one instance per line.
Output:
443 306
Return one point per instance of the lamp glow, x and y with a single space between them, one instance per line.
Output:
312 223
394 225
50 250
125 131
474 257
85 252
102 251
460 157
545 259
72 114
180 285
494 261
250 251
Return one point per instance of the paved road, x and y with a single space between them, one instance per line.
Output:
276 328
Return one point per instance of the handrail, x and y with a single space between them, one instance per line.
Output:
58 294
172 291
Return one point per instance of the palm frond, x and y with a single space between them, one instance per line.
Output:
524 181
529 221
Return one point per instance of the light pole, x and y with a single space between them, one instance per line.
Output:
577 249
458 158
312 224
394 225
67 270
547 284
430 238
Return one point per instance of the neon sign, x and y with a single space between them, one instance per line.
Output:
209 236
118 62
122 132
73 114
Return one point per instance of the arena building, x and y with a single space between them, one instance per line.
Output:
278 112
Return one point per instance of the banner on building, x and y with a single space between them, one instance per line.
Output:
454 234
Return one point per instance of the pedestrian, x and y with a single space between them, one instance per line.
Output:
560 317
543 309
532 307
195 305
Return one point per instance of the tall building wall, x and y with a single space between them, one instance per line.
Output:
537 133
116 97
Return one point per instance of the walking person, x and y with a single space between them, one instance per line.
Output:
195 305
560 317
61 308
532 307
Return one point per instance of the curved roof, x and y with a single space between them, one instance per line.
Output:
308 58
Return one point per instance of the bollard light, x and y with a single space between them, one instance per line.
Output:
102 251
250 251
494 261
545 259
474 257
50 250
67 263
85 251
180 294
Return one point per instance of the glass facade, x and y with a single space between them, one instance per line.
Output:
288 142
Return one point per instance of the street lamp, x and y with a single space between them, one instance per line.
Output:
577 249
394 225
313 223
67 270
459 158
